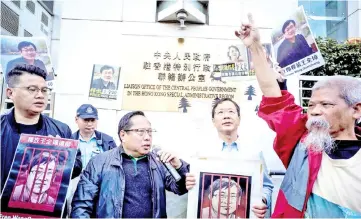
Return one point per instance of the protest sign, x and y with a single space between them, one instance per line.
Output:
39 177
295 47
168 76
104 83
225 188
26 50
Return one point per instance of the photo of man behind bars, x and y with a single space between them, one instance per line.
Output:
224 196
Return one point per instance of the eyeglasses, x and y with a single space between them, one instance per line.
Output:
28 50
141 132
35 90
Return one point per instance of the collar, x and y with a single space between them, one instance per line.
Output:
233 145
91 138
117 153
16 126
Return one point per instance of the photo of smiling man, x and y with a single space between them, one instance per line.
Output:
25 50
104 83
294 45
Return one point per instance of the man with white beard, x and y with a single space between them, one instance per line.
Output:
320 149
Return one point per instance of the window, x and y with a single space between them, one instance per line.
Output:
27 34
327 18
44 19
9 20
31 6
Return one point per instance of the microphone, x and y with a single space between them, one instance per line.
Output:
168 166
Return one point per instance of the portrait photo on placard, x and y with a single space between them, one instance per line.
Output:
224 195
104 82
26 50
38 181
294 45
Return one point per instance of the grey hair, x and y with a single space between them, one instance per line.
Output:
348 87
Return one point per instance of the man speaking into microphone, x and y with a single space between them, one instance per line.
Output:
129 181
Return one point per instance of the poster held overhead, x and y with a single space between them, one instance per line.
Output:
26 50
294 45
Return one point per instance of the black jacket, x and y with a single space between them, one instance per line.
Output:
100 192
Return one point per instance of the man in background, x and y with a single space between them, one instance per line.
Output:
92 142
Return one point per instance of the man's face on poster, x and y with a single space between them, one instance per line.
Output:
290 31
28 52
234 54
107 75
228 200
41 176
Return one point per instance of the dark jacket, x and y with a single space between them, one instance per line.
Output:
105 141
99 84
289 53
100 191
10 132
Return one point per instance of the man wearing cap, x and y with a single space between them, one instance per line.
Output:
92 142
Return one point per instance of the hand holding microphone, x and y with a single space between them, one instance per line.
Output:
170 161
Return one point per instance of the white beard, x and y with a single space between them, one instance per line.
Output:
318 138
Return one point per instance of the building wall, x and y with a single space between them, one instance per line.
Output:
100 34
29 21
96 35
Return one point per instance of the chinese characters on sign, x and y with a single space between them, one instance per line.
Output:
187 67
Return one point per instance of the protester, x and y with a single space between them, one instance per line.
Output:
29 93
226 118
128 181
320 149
